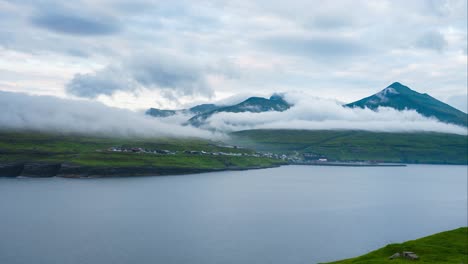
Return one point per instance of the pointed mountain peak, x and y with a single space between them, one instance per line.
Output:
401 97
399 87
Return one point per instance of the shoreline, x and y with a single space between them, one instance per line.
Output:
350 164
63 170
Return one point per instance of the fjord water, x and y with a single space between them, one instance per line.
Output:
292 214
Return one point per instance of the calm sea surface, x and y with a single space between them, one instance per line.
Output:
292 214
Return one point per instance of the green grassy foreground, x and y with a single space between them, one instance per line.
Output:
442 248
346 145
93 151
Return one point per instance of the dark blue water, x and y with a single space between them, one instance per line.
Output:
292 214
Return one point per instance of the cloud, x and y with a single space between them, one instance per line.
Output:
313 46
170 72
432 40
51 114
331 22
173 75
73 24
322 114
444 8
105 82
344 50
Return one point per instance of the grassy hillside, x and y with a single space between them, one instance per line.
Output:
442 248
361 145
93 151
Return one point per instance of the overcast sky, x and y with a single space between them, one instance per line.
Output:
170 54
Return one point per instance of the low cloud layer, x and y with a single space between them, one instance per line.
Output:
323 114
51 114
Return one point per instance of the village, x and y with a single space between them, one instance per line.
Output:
292 159
295 158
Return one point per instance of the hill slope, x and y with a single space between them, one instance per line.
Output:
88 155
202 112
401 97
196 110
252 104
442 248
348 145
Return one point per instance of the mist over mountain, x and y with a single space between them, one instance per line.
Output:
312 113
275 103
395 109
196 110
22 112
401 97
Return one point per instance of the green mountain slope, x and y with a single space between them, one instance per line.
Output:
202 112
160 112
203 108
348 145
196 110
401 97
442 248
252 104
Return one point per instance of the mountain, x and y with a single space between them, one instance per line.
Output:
203 108
401 97
202 112
160 112
253 104
196 110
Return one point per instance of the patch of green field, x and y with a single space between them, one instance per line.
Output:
347 145
442 248
93 151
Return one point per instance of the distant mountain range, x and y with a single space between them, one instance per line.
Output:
396 96
401 97
202 112
196 110
252 104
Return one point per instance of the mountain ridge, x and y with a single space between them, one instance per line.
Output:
202 112
401 97
396 95
252 104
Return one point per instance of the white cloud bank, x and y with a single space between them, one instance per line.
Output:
316 113
51 114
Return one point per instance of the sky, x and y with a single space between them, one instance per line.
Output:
135 54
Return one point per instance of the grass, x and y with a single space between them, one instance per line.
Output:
442 248
92 151
349 145
434 148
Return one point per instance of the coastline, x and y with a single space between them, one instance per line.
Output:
64 170
350 164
